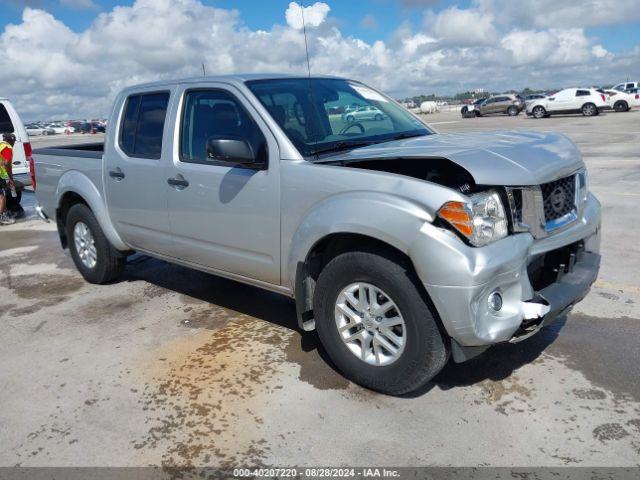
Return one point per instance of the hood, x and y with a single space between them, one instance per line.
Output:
507 158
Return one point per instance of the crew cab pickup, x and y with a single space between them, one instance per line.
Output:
403 247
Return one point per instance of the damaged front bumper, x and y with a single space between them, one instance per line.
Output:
538 281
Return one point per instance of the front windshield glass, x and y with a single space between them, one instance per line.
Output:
328 115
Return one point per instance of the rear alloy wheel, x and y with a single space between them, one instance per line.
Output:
539 112
589 110
351 118
378 117
94 257
512 111
621 106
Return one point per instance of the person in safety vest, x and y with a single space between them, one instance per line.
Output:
6 176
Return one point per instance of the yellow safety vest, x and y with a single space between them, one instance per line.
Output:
3 171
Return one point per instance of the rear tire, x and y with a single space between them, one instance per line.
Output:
94 257
621 106
512 111
589 110
424 350
539 112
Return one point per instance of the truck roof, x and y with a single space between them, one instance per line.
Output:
236 77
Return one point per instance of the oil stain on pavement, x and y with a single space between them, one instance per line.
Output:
204 401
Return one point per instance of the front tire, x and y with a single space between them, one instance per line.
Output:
351 119
94 257
393 352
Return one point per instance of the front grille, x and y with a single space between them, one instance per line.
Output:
516 208
559 198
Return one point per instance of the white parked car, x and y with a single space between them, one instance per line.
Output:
10 123
367 112
622 101
34 130
58 129
587 101
624 86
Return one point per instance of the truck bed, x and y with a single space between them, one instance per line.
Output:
84 150
74 161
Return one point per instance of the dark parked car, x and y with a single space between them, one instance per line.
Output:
92 127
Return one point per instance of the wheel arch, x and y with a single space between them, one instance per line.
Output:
75 187
320 254
347 222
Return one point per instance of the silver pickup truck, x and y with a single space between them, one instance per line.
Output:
403 247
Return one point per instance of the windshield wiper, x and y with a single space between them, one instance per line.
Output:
344 145
404 135
347 144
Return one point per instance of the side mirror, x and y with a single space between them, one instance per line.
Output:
231 149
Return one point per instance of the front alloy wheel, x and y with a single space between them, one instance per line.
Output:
370 324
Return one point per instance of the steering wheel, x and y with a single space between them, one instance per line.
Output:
346 128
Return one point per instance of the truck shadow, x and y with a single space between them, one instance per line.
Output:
497 363
238 297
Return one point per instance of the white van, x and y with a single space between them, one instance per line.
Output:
10 123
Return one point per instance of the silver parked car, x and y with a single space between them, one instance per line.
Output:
401 246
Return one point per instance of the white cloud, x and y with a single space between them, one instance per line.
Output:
561 14
314 15
462 27
50 71
599 51
548 47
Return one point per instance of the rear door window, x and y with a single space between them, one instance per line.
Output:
6 126
143 125
583 93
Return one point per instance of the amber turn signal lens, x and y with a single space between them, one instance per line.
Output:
459 216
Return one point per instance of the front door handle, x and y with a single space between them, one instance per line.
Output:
117 174
179 182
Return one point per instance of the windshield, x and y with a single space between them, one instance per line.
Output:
328 115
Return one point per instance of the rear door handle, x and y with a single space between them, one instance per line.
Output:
117 174
179 182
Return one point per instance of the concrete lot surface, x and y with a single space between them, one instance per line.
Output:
175 367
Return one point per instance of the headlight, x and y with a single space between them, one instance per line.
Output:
482 220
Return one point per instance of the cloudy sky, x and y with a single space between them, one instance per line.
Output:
68 58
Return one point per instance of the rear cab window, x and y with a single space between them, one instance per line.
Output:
6 125
142 124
